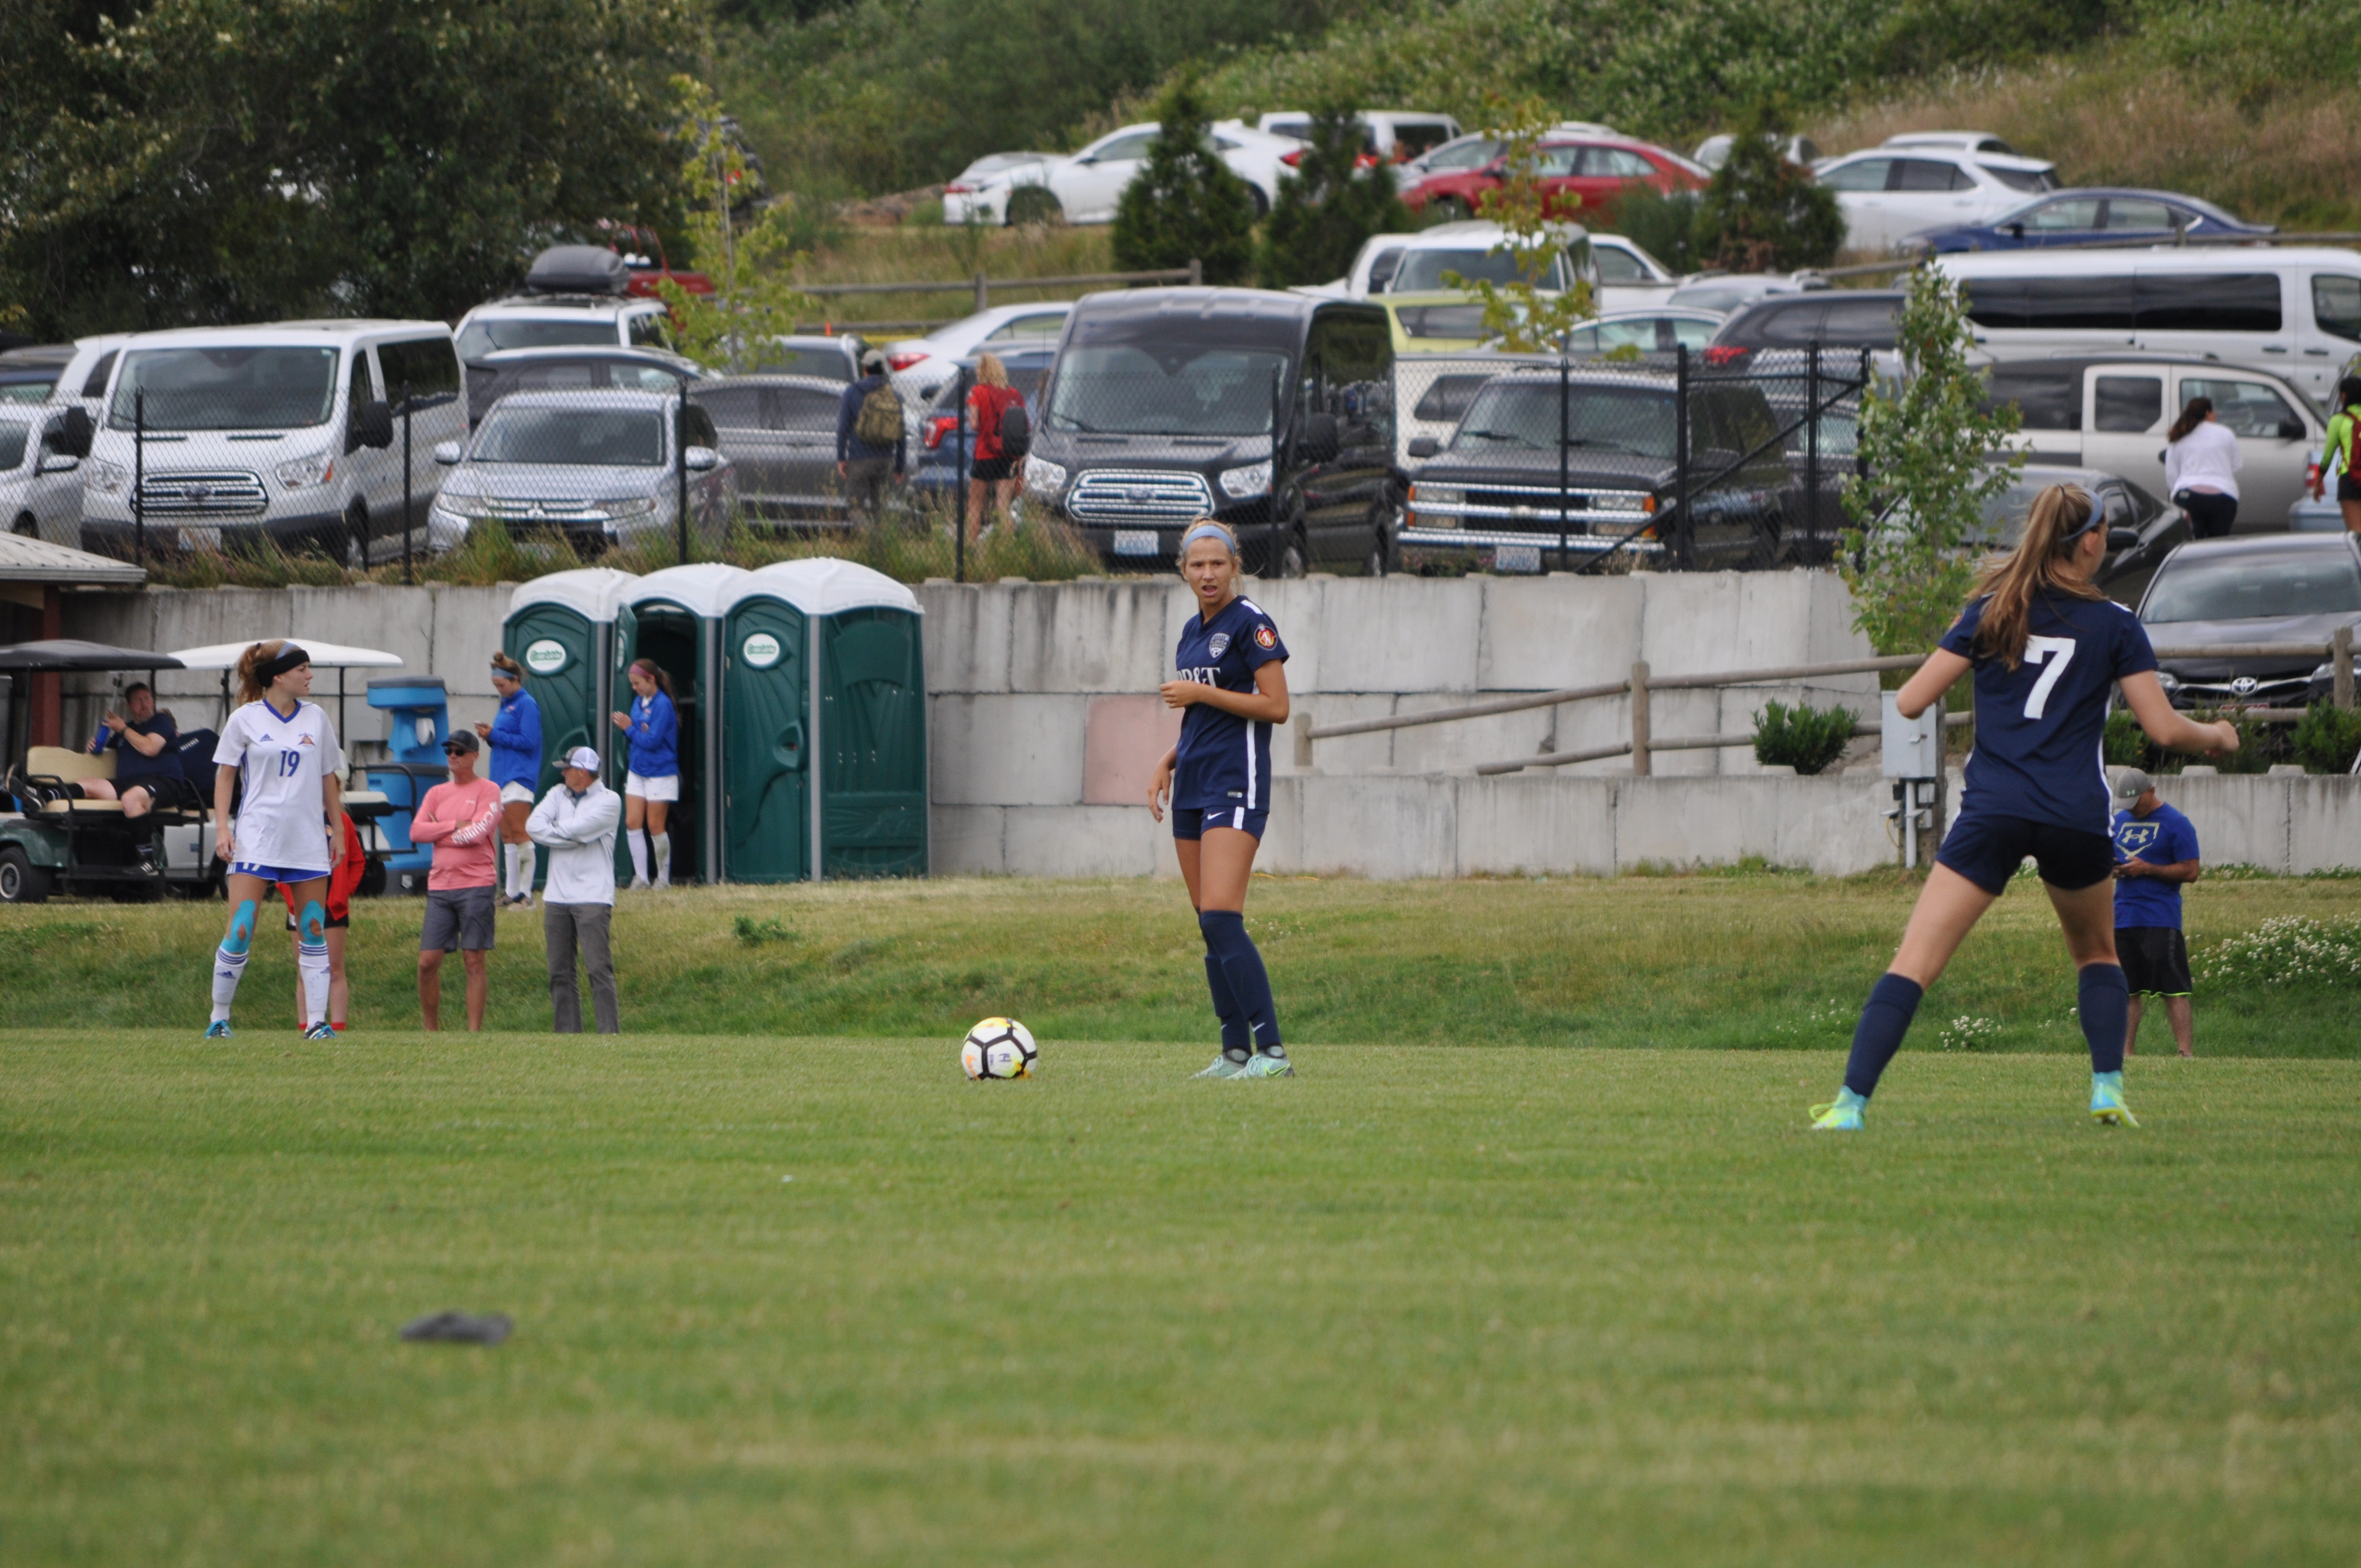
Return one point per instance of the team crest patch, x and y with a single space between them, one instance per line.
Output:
1217 644
1265 637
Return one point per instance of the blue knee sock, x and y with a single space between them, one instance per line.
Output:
1885 1019
1235 1041
1226 939
2105 1008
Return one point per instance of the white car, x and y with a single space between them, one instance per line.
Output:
1714 151
40 477
1957 141
980 192
1397 136
1728 292
1088 185
919 367
1889 191
1467 248
563 321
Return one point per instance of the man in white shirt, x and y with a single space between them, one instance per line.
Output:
576 822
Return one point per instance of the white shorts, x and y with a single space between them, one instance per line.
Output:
666 788
510 791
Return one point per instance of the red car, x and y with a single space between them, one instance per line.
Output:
1580 176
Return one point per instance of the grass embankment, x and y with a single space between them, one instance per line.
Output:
924 250
1415 1306
1748 962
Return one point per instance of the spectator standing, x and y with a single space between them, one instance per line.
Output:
2341 457
461 819
2200 469
993 473
344 881
2156 856
148 771
870 439
576 821
514 736
652 777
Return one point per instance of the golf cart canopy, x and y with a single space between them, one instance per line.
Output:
324 655
72 653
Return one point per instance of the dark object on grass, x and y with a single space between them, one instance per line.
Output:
459 1328
1805 738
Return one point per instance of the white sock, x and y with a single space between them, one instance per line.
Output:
663 859
312 963
639 854
528 867
507 871
519 879
228 970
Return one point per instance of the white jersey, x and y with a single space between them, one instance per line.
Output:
281 819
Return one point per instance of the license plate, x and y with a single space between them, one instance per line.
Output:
1517 558
1142 542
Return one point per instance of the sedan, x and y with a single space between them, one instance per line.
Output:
1887 193
1087 186
982 192
919 366
1644 332
2089 215
1586 176
598 468
2285 588
779 434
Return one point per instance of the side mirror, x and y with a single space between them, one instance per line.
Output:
59 463
373 427
448 453
74 432
703 459
2016 231
1321 441
2122 538
2291 430
1424 446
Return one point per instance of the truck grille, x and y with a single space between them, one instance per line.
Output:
1115 494
200 495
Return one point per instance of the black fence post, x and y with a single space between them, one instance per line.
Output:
1677 543
1564 391
139 476
408 502
1860 453
680 469
1812 444
960 484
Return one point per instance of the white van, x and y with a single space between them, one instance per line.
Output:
2293 311
292 432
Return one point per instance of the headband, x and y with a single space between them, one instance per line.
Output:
1207 530
2089 523
289 657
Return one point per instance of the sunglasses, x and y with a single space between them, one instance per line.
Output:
458 751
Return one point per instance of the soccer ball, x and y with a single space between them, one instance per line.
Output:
998 1048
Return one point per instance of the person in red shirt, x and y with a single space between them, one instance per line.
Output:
991 396
462 820
344 879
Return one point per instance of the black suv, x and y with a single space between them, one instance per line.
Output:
1836 319
1272 412
1495 487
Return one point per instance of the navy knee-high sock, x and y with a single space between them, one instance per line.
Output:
1885 1019
1235 1043
2105 1008
1226 939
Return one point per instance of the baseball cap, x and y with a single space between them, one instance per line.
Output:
583 757
875 359
2128 785
461 741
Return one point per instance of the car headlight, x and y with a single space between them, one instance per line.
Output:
302 473
619 510
107 478
1241 484
2167 680
464 506
1044 478
1436 495
2325 672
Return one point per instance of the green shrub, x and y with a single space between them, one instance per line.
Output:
1332 206
1762 212
1663 225
2326 738
1804 738
2126 744
1185 203
2259 745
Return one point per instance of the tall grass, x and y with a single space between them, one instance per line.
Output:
933 252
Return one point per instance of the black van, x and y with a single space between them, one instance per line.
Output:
1160 410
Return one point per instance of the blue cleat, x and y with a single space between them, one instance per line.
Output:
217 1031
1841 1114
2107 1107
323 1030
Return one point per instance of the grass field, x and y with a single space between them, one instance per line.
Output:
1419 1305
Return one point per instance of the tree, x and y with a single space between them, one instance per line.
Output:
1763 213
1330 208
1185 203
191 162
745 255
1925 445
1525 316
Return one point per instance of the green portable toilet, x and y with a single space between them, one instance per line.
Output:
673 617
561 627
825 725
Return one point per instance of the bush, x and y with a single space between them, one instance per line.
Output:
2126 744
1332 206
1185 204
1804 738
1663 225
1762 212
2326 738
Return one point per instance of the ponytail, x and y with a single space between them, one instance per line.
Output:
263 663
2190 418
2060 515
655 672
504 665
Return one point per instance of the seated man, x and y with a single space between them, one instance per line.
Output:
147 765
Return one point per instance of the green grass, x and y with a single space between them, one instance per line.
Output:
1417 1306
1754 960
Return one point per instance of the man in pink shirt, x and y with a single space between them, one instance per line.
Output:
461 819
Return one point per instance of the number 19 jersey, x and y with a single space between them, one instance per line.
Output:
281 816
2040 728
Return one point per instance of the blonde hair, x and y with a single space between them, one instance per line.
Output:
251 687
1228 539
2053 528
991 371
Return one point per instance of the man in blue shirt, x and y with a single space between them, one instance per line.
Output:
870 442
2156 853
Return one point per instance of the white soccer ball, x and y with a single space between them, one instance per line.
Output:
999 1048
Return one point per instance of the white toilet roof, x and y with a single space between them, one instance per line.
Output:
824 586
706 587
595 591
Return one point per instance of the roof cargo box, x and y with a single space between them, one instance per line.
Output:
578 270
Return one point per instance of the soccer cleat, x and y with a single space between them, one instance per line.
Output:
2107 1107
1222 1068
1841 1114
324 1030
218 1030
1265 1066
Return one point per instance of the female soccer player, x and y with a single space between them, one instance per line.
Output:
290 818
1231 688
652 777
2044 645
514 736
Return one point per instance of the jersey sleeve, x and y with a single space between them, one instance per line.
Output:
332 755
1961 638
1263 645
229 752
2133 650
2183 843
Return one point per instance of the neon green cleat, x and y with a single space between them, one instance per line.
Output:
2107 1107
1841 1114
1269 1067
1222 1068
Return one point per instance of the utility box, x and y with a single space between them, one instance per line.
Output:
1913 747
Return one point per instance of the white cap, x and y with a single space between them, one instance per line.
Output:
583 757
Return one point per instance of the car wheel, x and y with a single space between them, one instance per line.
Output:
21 882
1033 204
1261 202
1384 542
1287 557
357 535
24 527
1449 210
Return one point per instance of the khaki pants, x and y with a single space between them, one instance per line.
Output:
566 926
865 483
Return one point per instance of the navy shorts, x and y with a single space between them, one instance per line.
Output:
1192 824
1987 850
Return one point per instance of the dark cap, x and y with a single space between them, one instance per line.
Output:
461 741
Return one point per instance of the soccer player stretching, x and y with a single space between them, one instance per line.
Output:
292 811
1231 688
2044 645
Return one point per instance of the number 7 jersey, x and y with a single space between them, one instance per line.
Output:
282 815
2040 728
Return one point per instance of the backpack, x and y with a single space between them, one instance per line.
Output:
879 423
1016 430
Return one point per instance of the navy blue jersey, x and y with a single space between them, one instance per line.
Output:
1224 760
2038 728
2163 837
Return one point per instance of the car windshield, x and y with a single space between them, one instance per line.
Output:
605 438
22 387
1425 269
2257 586
1151 388
1523 416
224 388
484 337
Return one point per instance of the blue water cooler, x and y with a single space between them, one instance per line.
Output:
418 720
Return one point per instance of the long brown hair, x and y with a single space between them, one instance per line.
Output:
2052 529
251 687
655 672
2190 418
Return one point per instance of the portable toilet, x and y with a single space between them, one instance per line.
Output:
561 627
824 724
673 617
418 720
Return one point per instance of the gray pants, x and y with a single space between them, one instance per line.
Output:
866 480
565 927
